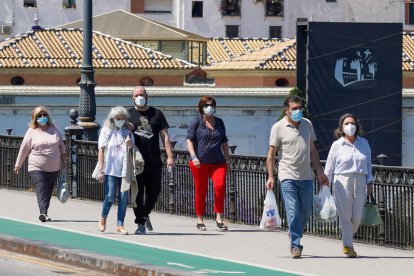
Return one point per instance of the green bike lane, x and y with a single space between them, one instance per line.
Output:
132 251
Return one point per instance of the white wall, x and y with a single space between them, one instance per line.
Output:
252 20
386 11
254 23
51 12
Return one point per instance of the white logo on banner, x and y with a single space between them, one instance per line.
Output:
360 67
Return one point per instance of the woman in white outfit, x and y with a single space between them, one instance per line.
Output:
114 139
348 167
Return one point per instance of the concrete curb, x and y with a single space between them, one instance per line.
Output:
97 262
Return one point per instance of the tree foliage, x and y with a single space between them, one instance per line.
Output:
296 92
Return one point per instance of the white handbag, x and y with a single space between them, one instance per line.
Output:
95 173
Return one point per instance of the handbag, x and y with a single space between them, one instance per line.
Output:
62 189
95 173
370 214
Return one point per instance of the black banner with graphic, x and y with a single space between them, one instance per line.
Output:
356 68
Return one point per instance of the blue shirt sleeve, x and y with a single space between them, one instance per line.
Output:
192 129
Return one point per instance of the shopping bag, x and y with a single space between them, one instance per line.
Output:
324 207
62 189
95 173
370 213
270 218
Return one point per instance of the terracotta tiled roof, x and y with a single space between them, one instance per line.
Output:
221 49
279 56
62 48
408 51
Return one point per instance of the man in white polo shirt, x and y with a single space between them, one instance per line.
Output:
293 138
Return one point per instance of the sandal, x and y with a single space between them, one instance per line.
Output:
121 230
221 226
201 227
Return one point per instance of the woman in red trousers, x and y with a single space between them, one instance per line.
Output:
210 157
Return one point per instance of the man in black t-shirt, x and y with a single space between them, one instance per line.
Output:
149 125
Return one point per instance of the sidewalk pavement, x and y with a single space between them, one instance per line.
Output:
243 249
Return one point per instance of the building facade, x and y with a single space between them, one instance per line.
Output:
211 18
17 16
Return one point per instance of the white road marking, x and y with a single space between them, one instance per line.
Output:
181 265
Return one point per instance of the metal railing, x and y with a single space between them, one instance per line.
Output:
393 190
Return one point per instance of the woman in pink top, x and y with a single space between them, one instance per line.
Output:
44 146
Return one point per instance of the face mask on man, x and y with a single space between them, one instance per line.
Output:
140 101
350 129
209 110
119 123
296 115
42 121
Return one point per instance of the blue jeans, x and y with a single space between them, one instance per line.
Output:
298 198
111 184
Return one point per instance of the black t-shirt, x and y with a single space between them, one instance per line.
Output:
148 125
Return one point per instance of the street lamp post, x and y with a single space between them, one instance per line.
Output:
87 104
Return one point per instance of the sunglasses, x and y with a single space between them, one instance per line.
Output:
41 115
206 105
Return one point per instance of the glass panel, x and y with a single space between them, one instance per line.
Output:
275 31
197 9
230 7
158 6
153 45
173 48
29 3
232 31
69 4
411 13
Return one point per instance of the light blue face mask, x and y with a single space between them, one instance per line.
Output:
42 121
296 115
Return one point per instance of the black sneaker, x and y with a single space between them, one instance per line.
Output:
42 218
148 224
221 226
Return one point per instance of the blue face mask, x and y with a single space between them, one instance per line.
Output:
296 115
42 121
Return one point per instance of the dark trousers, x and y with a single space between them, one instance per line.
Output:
149 186
44 183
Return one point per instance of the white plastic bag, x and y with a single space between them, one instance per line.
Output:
62 191
324 205
270 218
95 174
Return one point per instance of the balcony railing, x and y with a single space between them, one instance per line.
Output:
230 7
393 190
274 7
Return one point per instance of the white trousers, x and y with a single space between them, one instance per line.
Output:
350 193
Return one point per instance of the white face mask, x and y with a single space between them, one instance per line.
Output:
140 101
350 129
209 110
119 123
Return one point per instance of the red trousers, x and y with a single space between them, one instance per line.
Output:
217 173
